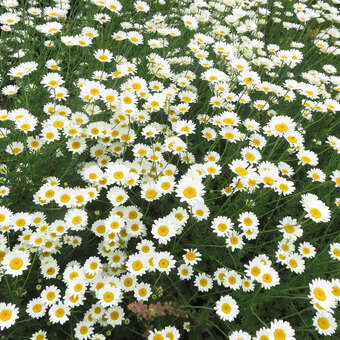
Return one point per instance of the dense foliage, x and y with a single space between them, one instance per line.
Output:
169 169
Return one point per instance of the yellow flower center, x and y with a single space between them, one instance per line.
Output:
16 263
255 271
163 263
281 127
241 171
151 193
293 263
5 315
323 323
319 294
279 334
226 308
234 240
108 297
315 212
137 265
163 230
83 330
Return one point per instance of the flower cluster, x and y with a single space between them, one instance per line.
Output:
183 152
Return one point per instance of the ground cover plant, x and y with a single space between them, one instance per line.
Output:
169 169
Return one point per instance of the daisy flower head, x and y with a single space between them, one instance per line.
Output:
164 229
26 124
166 184
49 268
92 265
117 172
52 80
4 191
21 221
50 295
283 187
156 335
248 219
307 157
200 211
184 127
247 285
190 22
181 216
209 133
226 308
103 17
15 262
128 282
104 56
186 326
257 140
191 257
142 291
36 308
15 148
309 91
9 18
164 262
334 251
150 192
315 208
203 282
335 283
335 177
39 335
117 196
249 78
83 330
59 313
290 229
197 170
220 275
280 329
320 292
232 280
295 263
279 125
171 332
137 264
317 175
115 316
222 225
307 250
76 145
134 37
234 241
8 314
49 134
109 295
59 93
324 323
295 139
251 155
145 246
119 36
285 169
190 189
214 76
255 269
241 168
230 134
185 271
239 335
5 216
